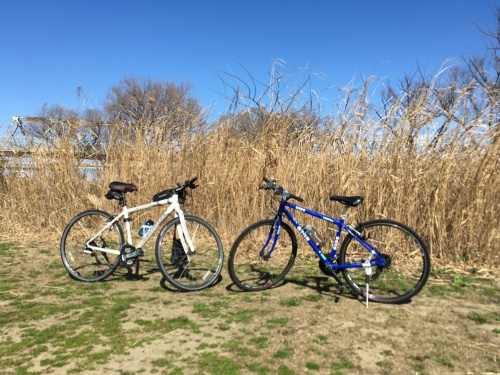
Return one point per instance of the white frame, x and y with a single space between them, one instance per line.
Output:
174 206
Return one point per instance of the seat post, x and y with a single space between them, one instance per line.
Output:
344 212
123 202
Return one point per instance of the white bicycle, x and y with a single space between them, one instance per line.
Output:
188 250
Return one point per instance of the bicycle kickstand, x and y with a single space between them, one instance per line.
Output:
368 271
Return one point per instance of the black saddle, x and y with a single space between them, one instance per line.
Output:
348 201
122 187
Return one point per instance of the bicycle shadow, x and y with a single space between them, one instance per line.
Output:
167 286
340 291
141 271
323 285
136 272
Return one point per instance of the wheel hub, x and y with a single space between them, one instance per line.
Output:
387 259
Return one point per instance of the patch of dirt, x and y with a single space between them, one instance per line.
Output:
327 331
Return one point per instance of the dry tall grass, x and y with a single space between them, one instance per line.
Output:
417 163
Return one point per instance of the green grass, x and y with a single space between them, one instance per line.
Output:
66 326
277 322
341 364
313 366
213 364
292 301
461 281
210 310
258 368
284 353
167 325
260 342
484 318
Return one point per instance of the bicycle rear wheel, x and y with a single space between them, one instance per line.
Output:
408 262
196 271
82 263
246 264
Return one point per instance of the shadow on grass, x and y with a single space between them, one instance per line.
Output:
325 287
322 285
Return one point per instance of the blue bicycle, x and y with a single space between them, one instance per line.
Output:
382 260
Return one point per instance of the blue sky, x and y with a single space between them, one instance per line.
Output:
49 48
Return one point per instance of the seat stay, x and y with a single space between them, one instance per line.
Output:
329 261
107 227
379 261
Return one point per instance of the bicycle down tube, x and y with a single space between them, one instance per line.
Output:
174 206
329 261
382 260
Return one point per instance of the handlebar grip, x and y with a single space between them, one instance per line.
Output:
190 183
265 179
296 197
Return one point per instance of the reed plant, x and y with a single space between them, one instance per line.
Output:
428 156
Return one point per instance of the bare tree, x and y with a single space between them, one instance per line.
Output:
486 70
152 107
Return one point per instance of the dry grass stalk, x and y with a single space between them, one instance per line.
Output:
444 184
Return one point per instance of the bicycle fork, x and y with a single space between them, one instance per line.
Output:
184 235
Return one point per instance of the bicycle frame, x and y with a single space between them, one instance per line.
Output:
125 215
374 259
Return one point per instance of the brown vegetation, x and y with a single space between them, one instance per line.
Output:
426 156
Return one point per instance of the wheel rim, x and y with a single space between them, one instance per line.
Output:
193 271
86 264
249 268
406 269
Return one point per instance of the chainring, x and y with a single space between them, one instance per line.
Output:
327 271
128 255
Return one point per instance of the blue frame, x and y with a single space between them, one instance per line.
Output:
376 260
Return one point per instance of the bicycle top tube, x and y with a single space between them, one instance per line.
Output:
308 211
375 257
174 196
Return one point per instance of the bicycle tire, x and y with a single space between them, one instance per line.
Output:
196 271
84 264
408 258
248 270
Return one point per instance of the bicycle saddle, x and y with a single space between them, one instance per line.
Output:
122 187
348 201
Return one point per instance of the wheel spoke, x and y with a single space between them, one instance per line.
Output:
249 266
407 261
81 263
198 270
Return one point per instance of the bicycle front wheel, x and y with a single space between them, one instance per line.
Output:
250 265
83 263
408 261
194 271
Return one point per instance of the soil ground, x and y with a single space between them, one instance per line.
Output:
304 326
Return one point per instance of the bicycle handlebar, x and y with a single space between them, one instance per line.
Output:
187 184
279 190
190 183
